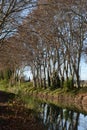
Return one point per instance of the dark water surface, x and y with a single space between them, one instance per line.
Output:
58 118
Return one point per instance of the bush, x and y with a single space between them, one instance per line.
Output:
68 84
7 74
55 81
1 75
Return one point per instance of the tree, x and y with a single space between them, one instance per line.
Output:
11 15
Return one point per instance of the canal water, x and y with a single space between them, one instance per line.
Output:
58 118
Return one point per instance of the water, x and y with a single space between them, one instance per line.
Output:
58 118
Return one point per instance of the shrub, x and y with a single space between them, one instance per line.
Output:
7 74
68 84
55 81
1 75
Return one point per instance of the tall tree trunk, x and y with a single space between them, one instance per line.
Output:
34 77
41 84
44 69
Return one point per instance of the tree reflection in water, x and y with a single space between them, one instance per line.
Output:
56 118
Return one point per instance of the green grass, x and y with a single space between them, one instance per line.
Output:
27 88
3 85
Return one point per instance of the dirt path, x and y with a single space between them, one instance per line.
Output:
14 116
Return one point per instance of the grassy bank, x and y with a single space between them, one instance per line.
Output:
71 98
28 89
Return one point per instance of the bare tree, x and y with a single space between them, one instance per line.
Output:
12 13
50 39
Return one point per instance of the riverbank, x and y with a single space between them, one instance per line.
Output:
73 99
65 99
15 116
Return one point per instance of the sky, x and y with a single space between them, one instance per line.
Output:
83 71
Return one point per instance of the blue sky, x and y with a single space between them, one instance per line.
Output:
83 71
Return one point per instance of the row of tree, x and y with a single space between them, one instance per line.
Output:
51 40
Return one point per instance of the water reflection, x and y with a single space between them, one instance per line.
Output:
56 118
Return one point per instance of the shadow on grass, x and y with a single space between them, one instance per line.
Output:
15 116
6 96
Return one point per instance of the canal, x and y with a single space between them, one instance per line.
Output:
55 117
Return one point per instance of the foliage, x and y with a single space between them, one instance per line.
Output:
68 84
55 81
7 74
4 85
1 75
